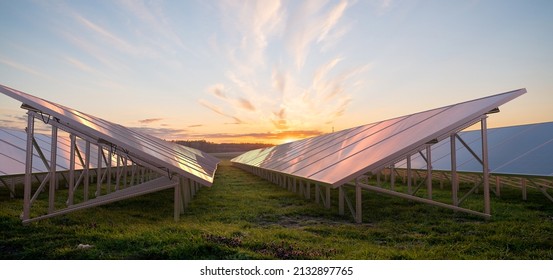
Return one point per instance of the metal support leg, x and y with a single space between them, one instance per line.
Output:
429 171
182 181
523 186
358 202
108 166
497 186
341 200
12 188
53 158
86 171
117 172
409 176
187 192
178 203
485 166
307 190
99 172
28 166
71 169
289 184
392 177
317 193
454 181
327 197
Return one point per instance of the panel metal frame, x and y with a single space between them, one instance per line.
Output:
147 174
541 181
251 162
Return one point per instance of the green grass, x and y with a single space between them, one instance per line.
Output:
245 217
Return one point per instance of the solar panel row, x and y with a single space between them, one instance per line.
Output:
12 152
173 158
524 150
340 157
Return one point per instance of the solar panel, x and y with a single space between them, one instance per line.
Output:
340 157
171 157
133 165
12 152
524 150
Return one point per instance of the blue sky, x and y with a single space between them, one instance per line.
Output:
274 70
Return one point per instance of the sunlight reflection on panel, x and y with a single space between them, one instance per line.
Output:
339 157
174 158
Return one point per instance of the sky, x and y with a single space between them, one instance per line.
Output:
274 71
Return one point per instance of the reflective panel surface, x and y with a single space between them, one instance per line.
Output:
525 150
174 158
339 157
12 152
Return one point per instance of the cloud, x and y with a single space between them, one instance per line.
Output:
110 38
245 104
292 134
80 65
219 111
385 4
279 80
309 26
153 15
331 19
196 125
268 46
218 90
94 50
22 67
147 121
280 120
13 121
252 23
163 133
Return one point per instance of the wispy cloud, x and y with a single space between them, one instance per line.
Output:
271 136
148 121
164 132
13 121
144 34
311 24
254 23
153 15
23 68
267 83
245 104
106 35
219 111
218 90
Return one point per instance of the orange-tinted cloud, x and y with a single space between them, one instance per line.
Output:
280 121
264 137
146 121
245 104
218 90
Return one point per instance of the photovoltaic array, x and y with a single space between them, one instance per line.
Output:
339 157
170 157
12 153
523 150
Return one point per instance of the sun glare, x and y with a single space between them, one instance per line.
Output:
288 140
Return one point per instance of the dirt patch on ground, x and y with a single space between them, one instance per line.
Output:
299 221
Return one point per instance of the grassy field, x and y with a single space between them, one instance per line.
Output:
245 217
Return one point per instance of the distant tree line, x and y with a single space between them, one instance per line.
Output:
211 147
